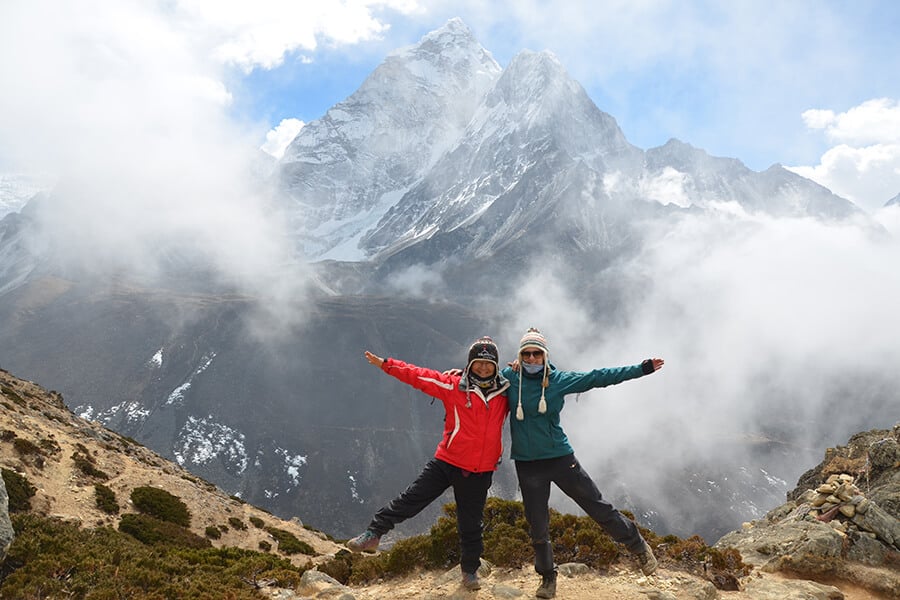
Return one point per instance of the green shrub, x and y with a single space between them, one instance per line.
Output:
106 499
19 490
213 532
150 530
694 554
265 546
86 465
7 435
12 395
237 524
257 522
50 446
288 542
161 504
53 559
26 447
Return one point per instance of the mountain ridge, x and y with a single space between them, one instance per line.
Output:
43 441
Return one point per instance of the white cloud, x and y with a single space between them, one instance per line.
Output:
277 140
872 122
869 176
759 320
865 165
116 98
666 188
816 118
262 33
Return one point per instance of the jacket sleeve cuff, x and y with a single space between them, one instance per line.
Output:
647 366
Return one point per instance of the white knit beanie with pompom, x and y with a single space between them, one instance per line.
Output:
533 338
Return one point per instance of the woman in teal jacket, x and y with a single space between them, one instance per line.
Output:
543 455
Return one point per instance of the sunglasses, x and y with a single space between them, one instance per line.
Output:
534 353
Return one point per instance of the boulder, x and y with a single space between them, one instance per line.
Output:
773 589
769 546
6 530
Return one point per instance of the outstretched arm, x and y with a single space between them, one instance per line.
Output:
572 382
429 381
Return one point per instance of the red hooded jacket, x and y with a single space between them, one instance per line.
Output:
473 423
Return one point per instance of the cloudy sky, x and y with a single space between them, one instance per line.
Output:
809 84
152 111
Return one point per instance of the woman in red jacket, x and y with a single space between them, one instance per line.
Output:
466 457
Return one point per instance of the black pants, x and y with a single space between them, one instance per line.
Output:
469 491
535 477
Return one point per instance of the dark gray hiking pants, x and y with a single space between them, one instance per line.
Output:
535 477
469 491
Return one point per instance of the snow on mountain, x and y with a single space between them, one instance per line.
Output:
532 130
345 170
441 151
18 188
705 181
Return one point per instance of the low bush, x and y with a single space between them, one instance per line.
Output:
19 490
26 447
288 542
53 559
106 499
151 530
12 395
507 544
86 466
161 504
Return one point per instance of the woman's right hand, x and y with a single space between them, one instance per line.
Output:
374 359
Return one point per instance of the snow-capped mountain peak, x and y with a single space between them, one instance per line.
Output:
439 139
344 171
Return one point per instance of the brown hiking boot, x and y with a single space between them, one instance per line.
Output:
367 541
470 581
647 560
547 588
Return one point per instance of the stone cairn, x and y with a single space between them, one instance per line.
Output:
842 505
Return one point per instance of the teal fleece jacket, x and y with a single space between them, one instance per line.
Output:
540 436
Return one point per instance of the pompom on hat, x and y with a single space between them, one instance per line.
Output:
533 338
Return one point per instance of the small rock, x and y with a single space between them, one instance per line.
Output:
573 569
505 591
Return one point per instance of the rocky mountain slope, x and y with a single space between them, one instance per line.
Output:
43 441
63 456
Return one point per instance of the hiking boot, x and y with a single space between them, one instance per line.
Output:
470 581
367 541
647 560
547 588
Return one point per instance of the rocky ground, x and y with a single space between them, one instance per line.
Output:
620 583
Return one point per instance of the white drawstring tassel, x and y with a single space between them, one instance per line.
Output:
520 414
542 405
